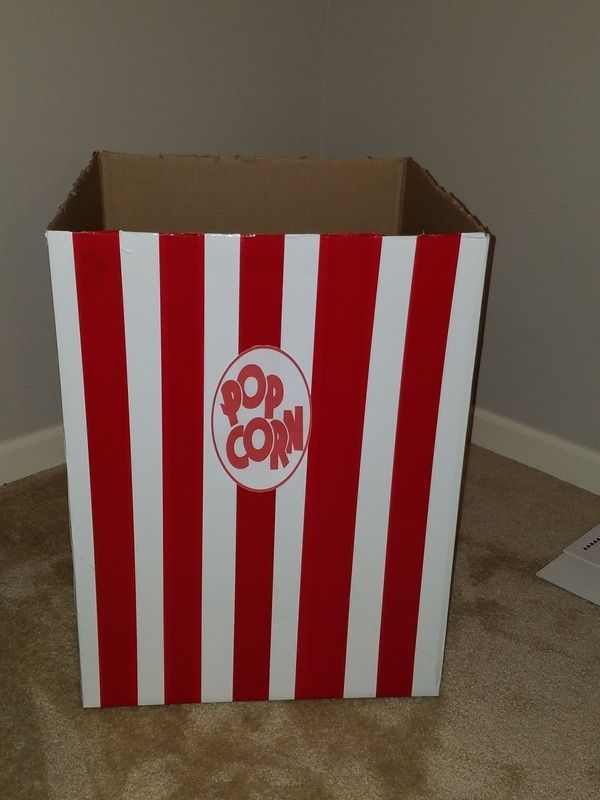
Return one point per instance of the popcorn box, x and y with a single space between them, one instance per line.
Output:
266 369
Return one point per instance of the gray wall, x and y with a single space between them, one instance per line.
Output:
141 76
498 99
501 101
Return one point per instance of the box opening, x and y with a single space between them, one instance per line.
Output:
181 193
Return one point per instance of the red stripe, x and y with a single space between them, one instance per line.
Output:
347 286
101 325
422 370
182 332
261 284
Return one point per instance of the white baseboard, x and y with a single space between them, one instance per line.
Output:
559 457
34 452
570 462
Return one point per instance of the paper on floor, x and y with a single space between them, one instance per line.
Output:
577 568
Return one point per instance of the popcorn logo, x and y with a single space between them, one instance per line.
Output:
261 418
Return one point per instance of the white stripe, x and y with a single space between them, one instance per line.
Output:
448 456
300 270
376 464
66 314
140 272
221 313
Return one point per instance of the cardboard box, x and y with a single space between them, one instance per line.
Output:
265 422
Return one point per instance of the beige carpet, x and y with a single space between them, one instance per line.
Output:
519 716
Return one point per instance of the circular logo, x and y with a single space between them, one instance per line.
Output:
261 418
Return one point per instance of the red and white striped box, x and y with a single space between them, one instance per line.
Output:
265 437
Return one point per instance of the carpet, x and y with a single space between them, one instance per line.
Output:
519 715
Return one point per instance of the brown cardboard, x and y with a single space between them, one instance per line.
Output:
259 195
428 208
83 208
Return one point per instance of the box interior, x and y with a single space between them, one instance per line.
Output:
209 194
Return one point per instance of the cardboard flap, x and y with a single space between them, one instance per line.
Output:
83 208
428 208
243 195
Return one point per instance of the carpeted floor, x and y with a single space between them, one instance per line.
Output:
519 716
